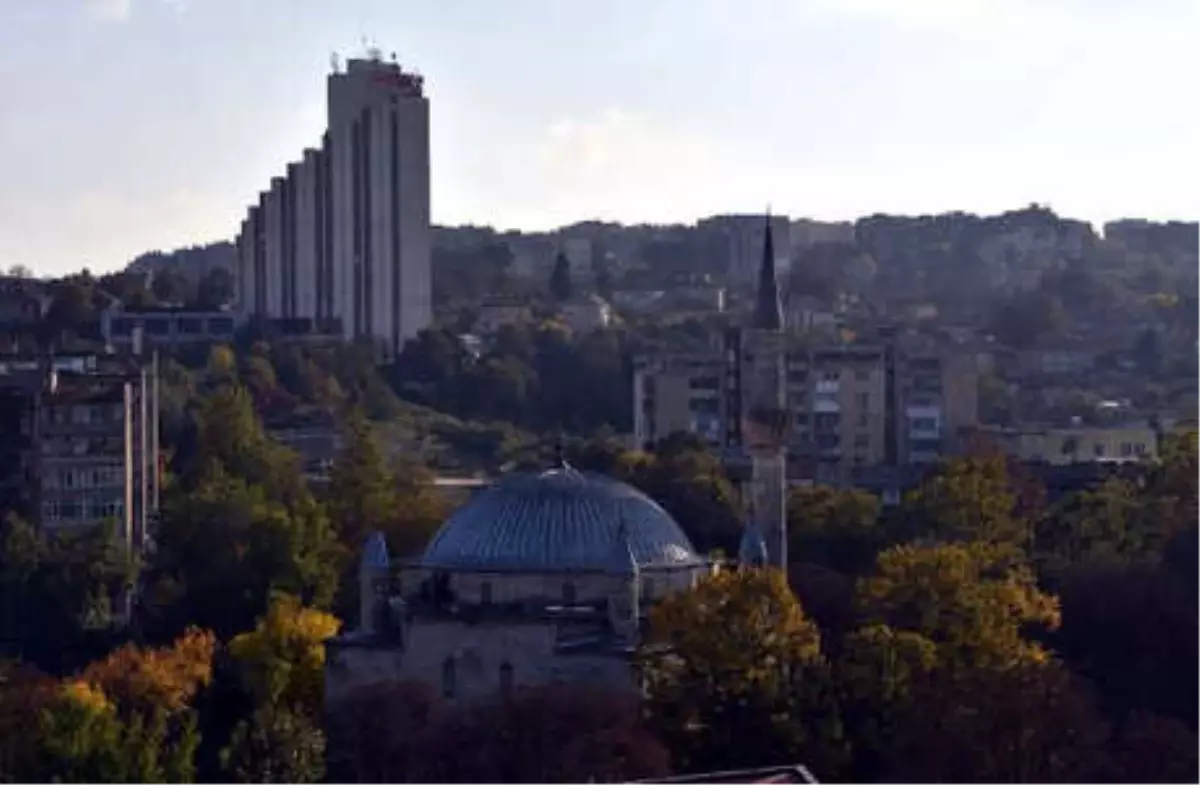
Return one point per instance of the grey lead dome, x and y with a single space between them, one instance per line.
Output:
560 519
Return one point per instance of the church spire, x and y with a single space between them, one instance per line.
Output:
768 314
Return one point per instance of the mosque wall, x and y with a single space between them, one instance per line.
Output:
467 662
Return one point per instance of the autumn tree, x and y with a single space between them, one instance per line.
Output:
965 499
973 600
139 679
81 736
283 659
727 667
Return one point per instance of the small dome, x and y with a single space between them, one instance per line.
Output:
560 519
752 550
375 552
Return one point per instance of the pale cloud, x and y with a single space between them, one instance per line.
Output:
112 10
120 10
627 162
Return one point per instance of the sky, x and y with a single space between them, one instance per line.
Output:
133 125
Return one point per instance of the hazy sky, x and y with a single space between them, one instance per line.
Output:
128 125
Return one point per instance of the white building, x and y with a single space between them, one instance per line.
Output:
341 244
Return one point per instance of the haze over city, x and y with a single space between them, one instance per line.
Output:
153 123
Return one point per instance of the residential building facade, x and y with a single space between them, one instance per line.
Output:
83 442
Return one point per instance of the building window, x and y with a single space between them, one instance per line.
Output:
1098 449
1126 449
449 685
864 420
485 593
864 400
506 678
568 593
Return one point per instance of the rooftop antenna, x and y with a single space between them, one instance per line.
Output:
333 61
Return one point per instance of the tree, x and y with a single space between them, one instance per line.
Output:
216 289
362 492
283 659
140 680
378 732
1094 526
560 279
727 665
276 744
82 737
556 733
688 480
223 546
965 499
59 594
974 600
1031 722
833 527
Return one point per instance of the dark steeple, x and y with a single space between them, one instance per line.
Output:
768 314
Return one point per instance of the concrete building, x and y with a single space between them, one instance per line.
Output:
341 244
166 328
1082 444
540 578
82 442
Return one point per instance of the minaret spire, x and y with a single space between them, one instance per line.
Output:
768 314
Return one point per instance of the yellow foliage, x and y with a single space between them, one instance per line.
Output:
972 599
284 657
734 630
145 679
85 696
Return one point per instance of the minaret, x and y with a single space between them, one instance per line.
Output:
768 313
764 410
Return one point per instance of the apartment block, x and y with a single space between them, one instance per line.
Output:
340 243
851 407
82 442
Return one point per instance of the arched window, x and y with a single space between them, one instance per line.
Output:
568 593
485 593
506 678
449 685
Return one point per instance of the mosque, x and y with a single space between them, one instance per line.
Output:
547 577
